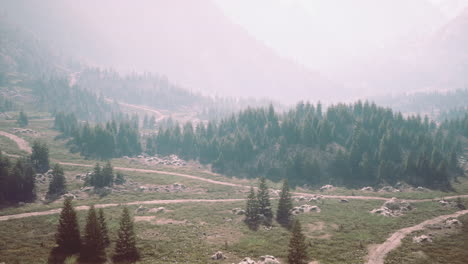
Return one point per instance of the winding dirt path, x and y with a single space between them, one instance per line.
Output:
22 144
85 207
163 172
160 117
377 254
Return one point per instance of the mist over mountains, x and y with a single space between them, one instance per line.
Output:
284 50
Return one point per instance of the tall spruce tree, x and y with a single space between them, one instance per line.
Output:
40 156
57 185
297 253
251 211
22 119
107 174
103 226
93 249
125 248
68 233
264 204
283 214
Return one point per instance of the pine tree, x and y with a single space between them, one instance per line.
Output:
103 226
93 245
40 156
283 215
125 248
57 185
119 178
22 119
264 205
297 253
107 174
251 211
68 233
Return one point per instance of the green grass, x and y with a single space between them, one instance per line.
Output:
445 249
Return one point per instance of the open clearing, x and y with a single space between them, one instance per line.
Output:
347 224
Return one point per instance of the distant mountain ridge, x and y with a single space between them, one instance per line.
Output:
192 42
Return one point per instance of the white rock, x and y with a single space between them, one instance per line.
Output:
218 256
268 260
422 239
326 187
247 261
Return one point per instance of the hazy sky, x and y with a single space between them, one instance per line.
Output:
329 34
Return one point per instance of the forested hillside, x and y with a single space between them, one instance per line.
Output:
115 138
354 145
159 92
438 105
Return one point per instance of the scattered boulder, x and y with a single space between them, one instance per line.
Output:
157 210
421 189
367 189
393 207
344 201
238 211
87 189
300 198
444 202
449 223
315 198
388 189
218 256
422 239
141 209
268 260
326 187
69 195
305 208
247 261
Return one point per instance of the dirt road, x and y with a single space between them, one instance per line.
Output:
22 144
377 254
85 207
160 117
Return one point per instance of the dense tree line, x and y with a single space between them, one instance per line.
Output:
142 89
6 104
354 145
104 141
435 104
17 180
55 95
457 126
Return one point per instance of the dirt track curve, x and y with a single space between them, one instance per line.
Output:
160 117
85 207
377 254
22 144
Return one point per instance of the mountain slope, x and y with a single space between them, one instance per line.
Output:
190 41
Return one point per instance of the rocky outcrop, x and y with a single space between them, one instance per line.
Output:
247 261
268 260
238 211
367 189
305 208
218 256
326 187
393 207
422 239
141 209
157 210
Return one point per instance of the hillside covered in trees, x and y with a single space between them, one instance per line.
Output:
353 145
